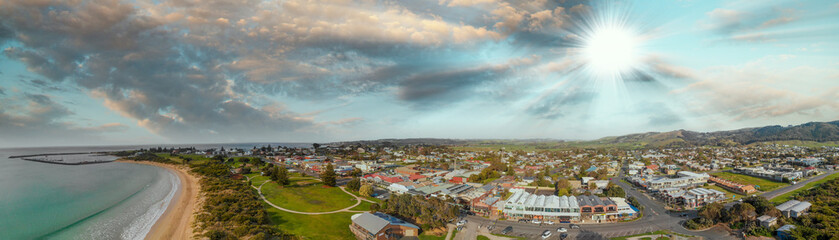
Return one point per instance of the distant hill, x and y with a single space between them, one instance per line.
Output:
813 131
808 132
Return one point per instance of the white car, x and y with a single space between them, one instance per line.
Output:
536 221
549 222
546 234
461 222
561 230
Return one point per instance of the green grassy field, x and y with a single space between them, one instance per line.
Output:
802 143
787 196
727 193
431 237
363 206
326 226
482 237
765 185
309 198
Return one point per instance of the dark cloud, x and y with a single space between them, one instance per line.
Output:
560 103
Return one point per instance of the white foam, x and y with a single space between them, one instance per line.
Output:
140 227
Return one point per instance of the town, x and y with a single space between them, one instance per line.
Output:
498 193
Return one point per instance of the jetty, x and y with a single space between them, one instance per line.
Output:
44 158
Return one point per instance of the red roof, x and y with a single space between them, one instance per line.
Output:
652 167
417 176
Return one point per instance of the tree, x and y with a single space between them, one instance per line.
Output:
511 171
743 211
328 175
613 190
354 184
356 172
366 190
282 176
272 173
711 211
316 146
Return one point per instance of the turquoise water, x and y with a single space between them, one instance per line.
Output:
98 201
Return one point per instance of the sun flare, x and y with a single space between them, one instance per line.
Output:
611 50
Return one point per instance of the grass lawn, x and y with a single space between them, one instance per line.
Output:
309 198
787 196
763 184
482 237
325 226
431 237
727 193
454 233
363 206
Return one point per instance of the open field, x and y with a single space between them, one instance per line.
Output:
760 183
787 196
309 198
802 143
326 226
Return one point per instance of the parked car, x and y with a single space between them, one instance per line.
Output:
563 236
460 228
561 230
507 230
536 221
575 226
490 227
549 222
546 234
523 220
462 222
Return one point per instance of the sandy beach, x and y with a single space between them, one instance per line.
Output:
177 221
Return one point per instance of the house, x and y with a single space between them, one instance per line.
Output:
794 208
767 221
591 169
597 209
380 226
783 232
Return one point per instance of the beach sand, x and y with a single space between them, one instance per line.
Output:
177 221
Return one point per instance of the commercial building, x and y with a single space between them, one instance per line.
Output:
683 179
380 226
691 198
733 186
769 173
523 205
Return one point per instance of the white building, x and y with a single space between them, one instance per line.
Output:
531 206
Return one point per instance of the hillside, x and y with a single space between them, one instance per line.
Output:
813 131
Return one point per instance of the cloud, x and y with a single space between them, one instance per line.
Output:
760 90
35 119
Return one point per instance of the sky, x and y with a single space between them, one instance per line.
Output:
110 72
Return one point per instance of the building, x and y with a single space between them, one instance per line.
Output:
624 209
769 173
783 232
596 208
733 186
684 179
523 205
767 221
380 226
691 198
794 208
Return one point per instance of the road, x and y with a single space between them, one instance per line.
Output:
790 188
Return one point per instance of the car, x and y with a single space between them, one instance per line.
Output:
490 227
561 230
507 230
563 236
549 222
459 228
523 220
546 234
536 221
461 222
575 226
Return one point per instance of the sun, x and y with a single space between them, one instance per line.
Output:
611 49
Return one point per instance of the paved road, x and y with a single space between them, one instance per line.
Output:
790 188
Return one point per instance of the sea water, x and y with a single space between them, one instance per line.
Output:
95 201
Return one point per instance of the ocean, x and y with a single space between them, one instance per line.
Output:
96 201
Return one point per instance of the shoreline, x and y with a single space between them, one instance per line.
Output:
178 218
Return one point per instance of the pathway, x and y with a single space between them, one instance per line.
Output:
347 209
